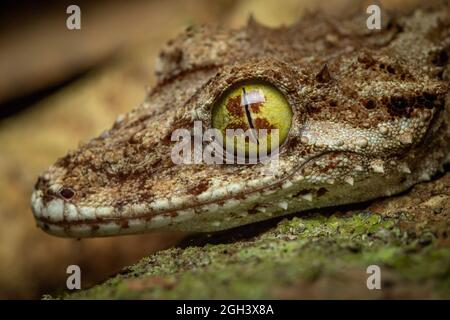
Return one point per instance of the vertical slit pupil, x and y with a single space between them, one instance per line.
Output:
247 112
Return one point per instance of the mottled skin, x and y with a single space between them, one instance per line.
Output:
370 120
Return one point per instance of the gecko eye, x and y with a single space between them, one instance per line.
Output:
252 117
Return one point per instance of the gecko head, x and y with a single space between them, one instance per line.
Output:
349 135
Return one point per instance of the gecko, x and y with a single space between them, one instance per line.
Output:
369 119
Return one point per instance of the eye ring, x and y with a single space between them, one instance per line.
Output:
259 110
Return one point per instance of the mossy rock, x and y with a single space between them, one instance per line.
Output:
321 254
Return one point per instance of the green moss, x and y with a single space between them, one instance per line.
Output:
296 258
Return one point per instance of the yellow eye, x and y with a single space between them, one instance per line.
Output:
261 112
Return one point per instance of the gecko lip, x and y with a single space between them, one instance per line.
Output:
61 217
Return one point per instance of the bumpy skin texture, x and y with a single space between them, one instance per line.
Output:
370 120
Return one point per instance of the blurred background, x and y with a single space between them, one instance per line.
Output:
59 87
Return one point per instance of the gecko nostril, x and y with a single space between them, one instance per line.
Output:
67 193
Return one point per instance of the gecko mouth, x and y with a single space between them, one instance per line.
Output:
62 217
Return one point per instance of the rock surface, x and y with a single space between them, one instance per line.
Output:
323 254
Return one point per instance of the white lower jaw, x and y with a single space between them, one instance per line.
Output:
209 217
64 219
103 229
